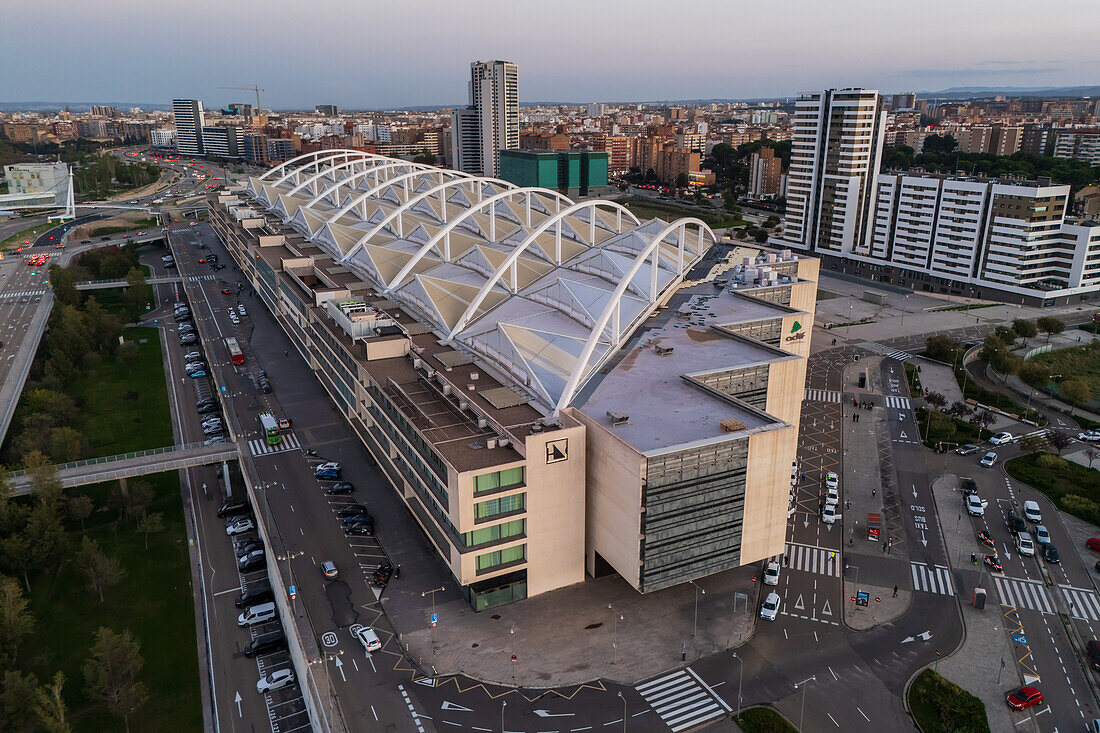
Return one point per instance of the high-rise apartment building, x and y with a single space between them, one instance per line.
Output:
1078 144
907 100
328 110
1005 140
490 123
221 141
835 155
620 152
190 120
973 139
765 174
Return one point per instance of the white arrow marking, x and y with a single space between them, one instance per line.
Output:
825 610
806 523
237 700
925 636
426 681
340 666
548 714
799 605
906 640
448 705
914 491
903 435
923 541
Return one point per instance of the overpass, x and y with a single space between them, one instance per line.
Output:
107 284
128 465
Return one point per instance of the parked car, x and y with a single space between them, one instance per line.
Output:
1024 545
327 474
1025 697
188 339
254 593
1032 512
368 638
1050 554
208 408
215 440
240 526
989 459
1001 439
975 505
339 487
361 530
233 508
249 545
829 514
832 496
769 609
272 641
240 309
771 573
351 510
197 373
832 481
1015 524
1042 536
357 519
192 356
257 614
251 560
276 680
965 450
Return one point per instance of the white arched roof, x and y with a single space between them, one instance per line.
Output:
543 288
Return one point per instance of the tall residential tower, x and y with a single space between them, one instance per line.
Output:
490 123
189 123
835 156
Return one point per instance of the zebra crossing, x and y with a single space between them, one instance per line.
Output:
682 700
900 403
932 579
1042 433
821 395
260 447
1019 593
199 278
1083 604
813 559
886 351
22 294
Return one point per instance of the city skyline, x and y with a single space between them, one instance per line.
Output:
607 58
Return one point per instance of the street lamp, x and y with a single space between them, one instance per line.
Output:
695 623
802 684
616 617
624 709
513 632
740 679
431 629
503 704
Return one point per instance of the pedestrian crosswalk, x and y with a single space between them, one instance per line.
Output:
6 295
900 403
198 278
821 395
1083 604
1041 433
682 700
886 351
1023 594
260 447
932 579
812 559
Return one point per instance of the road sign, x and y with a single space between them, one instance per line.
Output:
434 621
862 598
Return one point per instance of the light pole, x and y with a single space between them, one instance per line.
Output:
616 617
513 654
740 679
624 709
695 623
802 684
503 704
431 629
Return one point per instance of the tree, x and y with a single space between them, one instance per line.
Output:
936 399
941 348
138 293
63 283
939 144
110 673
1005 362
1024 328
151 524
80 508
1051 326
1006 335
19 555
132 497
760 235
16 621
101 570
1035 373
17 692
990 345
1092 454
67 444
681 180
1060 439
1075 391
50 706
47 537
128 354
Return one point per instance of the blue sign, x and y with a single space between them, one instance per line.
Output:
433 619
862 598
1019 638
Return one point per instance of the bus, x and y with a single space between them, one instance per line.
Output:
235 354
270 428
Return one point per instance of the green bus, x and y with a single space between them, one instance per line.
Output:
270 426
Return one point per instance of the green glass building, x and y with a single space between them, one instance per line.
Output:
571 172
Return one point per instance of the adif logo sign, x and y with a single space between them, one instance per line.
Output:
797 334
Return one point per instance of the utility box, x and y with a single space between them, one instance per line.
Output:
863 380
874 526
979 598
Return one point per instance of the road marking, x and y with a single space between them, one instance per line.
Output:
1083 604
899 403
682 700
1019 593
260 447
931 579
813 559
821 395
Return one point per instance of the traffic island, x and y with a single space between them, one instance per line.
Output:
867 606
940 706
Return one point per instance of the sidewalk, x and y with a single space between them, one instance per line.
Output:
976 665
598 629
937 377
867 489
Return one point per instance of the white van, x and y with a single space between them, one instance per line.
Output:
257 614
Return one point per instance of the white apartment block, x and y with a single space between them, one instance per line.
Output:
162 137
190 120
835 154
967 236
490 123
1078 145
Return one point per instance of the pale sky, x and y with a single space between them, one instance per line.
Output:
362 54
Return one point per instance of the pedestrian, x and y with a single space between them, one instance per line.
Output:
286 353
873 490
895 591
397 571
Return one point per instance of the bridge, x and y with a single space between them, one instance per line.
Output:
107 284
128 465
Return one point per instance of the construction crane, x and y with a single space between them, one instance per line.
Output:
255 88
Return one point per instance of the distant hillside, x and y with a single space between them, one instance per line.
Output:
978 92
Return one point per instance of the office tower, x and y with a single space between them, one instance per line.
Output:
490 123
189 123
327 110
765 174
835 155
221 141
907 100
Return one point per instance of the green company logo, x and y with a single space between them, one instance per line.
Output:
797 335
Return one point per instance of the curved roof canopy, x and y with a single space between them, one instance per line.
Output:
542 287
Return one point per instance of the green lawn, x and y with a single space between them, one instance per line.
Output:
941 706
646 209
123 408
1075 489
28 233
139 224
1077 362
947 429
763 720
154 602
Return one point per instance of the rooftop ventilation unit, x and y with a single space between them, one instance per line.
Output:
617 418
664 350
482 423
536 427
491 443
732 425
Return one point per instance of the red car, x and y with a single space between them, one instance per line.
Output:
1093 544
1024 697
202 260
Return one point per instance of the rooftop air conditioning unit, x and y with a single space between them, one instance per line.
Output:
491 443
617 418
473 376
482 423
536 427
463 404
664 350
417 363
447 389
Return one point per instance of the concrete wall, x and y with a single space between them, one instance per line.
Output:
768 484
615 473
